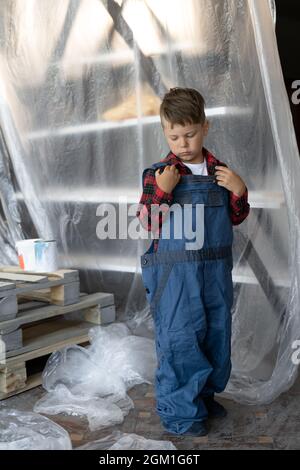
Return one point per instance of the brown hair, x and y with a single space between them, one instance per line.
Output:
183 106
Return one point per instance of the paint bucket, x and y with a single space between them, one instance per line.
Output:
37 255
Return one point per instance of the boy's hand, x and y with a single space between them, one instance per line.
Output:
230 180
168 179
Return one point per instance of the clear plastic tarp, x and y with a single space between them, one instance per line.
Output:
23 430
93 381
123 441
80 87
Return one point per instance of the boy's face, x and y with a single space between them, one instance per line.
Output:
186 142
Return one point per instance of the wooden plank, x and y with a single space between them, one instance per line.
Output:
67 274
12 269
100 315
54 345
64 294
12 379
26 287
7 285
103 299
8 307
11 341
48 333
22 277
30 305
42 295
32 381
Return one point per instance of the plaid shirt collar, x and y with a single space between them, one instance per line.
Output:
211 162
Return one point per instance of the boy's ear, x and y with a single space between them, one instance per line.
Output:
206 126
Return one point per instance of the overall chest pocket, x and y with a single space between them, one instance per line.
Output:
207 198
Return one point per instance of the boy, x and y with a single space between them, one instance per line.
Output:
190 290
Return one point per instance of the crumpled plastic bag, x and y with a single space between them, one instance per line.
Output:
141 323
123 441
78 377
24 430
100 412
81 373
125 355
115 362
135 442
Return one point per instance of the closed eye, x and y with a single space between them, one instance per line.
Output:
189 136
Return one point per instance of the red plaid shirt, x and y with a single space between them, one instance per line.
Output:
153 195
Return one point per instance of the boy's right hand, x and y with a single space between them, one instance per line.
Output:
168 179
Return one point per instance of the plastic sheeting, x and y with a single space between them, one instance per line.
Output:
124 441
93 381
80 83
99 412
23 430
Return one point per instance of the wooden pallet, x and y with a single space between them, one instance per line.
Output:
45 329
60 288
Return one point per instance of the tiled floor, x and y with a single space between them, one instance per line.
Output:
273 426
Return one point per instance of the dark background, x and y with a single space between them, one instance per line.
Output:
288 37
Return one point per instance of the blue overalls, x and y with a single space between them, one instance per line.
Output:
190 294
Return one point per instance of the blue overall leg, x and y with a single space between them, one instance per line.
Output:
218 298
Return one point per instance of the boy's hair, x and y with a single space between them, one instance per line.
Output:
182 106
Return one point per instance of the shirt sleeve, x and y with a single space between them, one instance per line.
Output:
154 204
239 207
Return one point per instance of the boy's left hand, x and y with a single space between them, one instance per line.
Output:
230 180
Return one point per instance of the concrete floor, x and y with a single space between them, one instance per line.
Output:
274 426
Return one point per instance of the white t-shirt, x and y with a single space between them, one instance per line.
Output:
198 168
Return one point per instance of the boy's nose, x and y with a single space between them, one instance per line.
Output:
184 144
